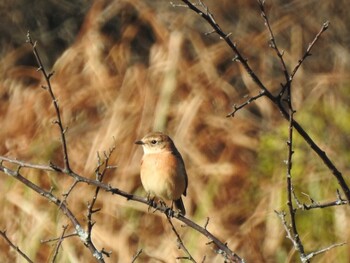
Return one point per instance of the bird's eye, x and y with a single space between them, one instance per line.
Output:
154 142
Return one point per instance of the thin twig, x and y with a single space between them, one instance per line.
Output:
99 177
306 257
241 106
58 238
27 165
228 253
59 243
47 77
324 250
282 216
308 50
3 234
208 17
66 194
298 245
180 242
62 206
317 205
273 43
138 253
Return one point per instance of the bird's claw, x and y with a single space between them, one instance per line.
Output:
151 203
169 212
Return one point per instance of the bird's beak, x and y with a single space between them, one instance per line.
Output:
139 142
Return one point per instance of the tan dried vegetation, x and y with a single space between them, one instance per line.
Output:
137 66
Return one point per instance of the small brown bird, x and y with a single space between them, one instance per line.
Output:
163 172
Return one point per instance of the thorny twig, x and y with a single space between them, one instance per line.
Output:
60 240
273 43
294 235
67 170
99 177
306 258
229 254
308 50
181 243
67 193
4 235
84 235
223 248
62 206
138 253
312 254
293 230
314 205
276 100
48 87
250 100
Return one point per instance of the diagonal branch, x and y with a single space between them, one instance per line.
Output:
226 251
308 50
208 17
135 257
228 254
247 102
324 250
273 43
4 235
59 243
180 242
61 205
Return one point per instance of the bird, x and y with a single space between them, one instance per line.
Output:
163 173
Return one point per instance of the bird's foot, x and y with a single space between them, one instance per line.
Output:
169 212
151 203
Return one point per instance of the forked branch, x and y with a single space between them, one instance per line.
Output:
277 101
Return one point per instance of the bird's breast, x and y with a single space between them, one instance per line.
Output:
163 175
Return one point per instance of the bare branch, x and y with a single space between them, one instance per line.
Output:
208 17
314 205
99 177
66 194
138 253
226 252
273 43
60 240
308 50
180 242
62 206
3 234
230 255
294 235
27 165
47 77
324 250
241 106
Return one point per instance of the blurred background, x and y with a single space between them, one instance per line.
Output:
124 68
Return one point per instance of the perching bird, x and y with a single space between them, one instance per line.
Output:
163 172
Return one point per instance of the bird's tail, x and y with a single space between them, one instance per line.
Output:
180 205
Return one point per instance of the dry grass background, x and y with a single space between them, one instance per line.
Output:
135 66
